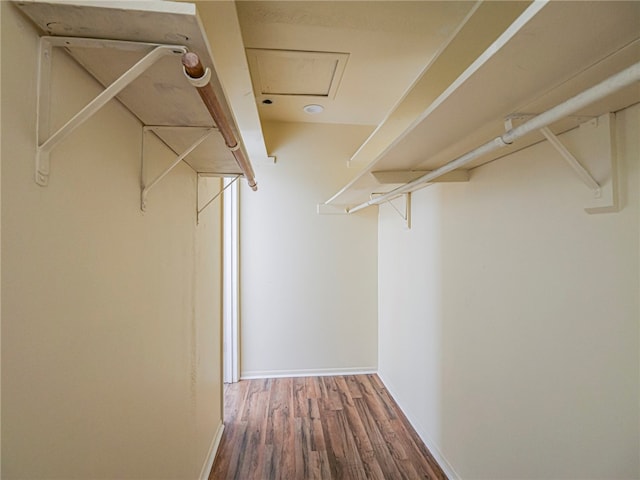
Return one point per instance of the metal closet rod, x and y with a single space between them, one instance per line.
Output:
612 84
199 77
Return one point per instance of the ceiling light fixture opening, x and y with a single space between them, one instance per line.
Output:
313 109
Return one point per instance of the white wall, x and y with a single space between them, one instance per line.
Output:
308 281
111 317
508 328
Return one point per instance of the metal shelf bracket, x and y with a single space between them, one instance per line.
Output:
402 206
199 209
594 143
47 141
147 186
404 210
572 161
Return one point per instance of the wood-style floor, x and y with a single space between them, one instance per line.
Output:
342 427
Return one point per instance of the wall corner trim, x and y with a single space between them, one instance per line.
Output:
213 450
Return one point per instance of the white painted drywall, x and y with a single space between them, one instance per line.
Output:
308 281
508 328
110 317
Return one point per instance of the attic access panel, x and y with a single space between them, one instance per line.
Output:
296 73
161 96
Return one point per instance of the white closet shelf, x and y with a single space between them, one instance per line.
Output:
552 52
107 38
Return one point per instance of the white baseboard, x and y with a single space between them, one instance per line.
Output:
422 433
213 450
320 372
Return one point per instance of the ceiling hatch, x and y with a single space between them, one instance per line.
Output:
295 72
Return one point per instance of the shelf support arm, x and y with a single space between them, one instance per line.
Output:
179 158
200 210
406 215
45 146
573 162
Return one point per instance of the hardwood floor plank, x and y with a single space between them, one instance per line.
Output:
376 382
312 387
314 409
332 394
321 388
381 452
236 459
235 396
382 419
333 442
317 442
287 455
250 461
300 396
325 468
302 444
352 461
344 391
324 428
425 456
421 458
314 462
268 469
251 401
354 387
363 443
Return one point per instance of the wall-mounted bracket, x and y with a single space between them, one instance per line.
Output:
402 205
147 186
572 161
199 209
593 142
46 141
